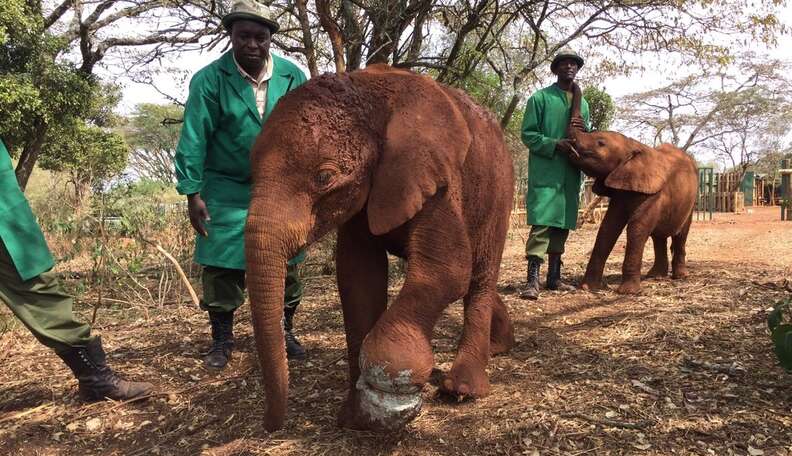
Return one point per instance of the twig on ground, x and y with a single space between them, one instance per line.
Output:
643 424
167 393
179 270
25 413
335 360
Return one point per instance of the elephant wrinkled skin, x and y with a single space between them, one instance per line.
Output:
399 164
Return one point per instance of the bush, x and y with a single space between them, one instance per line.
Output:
780 323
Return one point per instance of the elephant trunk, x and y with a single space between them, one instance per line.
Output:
573 131
268 246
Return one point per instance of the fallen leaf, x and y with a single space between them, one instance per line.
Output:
93 424
755 451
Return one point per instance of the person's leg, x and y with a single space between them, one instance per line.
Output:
535 249
43 307
291 300
223 293
555 249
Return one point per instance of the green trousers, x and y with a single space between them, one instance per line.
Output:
224 289
41 304
545 239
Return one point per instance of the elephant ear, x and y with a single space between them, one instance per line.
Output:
645 170
425 145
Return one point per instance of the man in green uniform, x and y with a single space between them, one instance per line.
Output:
553 183
35 297
229 101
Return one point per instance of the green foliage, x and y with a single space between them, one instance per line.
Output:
601 107
780 323
89 154
50 106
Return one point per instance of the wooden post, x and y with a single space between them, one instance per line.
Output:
786 189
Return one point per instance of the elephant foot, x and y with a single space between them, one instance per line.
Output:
357 414
381 403
680 273
629 287
466 380
657 272
593 285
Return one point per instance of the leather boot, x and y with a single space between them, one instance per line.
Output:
554 281
97 381
294 349
532 287
222 340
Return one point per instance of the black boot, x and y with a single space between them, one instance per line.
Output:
97 381
222 340
532 287
554 281
294 349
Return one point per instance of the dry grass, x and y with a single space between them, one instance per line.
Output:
684 368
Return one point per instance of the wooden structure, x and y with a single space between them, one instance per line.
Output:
729 196
727 192
705 197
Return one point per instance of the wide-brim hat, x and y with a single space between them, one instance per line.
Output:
250 11
565 54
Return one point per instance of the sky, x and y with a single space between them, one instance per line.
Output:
661 72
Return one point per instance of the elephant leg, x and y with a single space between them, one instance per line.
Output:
362 273
637 235
609 231
396 357
501 329
678 265
660 267
487 328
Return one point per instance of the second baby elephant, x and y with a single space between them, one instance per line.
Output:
652 192
401 165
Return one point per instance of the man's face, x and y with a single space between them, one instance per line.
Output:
250 41
567 69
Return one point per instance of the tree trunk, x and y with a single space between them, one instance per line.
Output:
308 43
30 154
333 32
509 111
354 35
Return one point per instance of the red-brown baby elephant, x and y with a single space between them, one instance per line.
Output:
401 165
652 191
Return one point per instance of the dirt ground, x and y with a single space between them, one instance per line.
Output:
684 368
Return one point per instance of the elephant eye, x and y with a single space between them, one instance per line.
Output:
601 142
324 177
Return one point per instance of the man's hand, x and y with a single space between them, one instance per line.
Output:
567 147
577 123
198 213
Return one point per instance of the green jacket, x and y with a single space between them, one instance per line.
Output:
19 230
553 183
221 123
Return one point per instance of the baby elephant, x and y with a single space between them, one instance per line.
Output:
652 191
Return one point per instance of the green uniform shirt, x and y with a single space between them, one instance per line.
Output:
19 230
553 183
221 122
